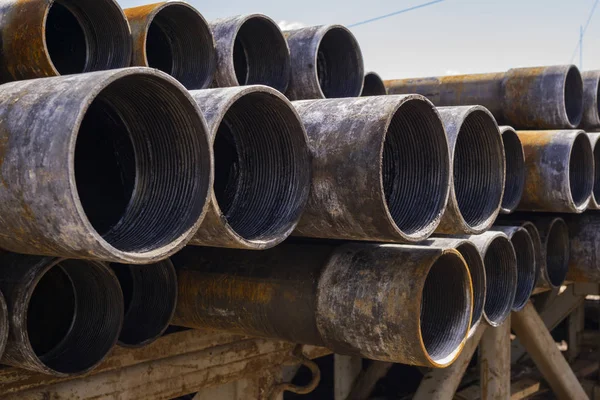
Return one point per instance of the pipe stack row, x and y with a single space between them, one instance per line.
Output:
133 197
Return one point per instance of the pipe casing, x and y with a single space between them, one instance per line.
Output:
591 110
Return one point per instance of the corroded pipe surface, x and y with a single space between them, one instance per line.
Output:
514 184
175 38
559 171
525 98
373 85
591 107
392 303
65 315
474 261
595 199
500 261
251 50
380 168
150 296
584 261
41 38
262 167
478 170
526 267
116 165
326 63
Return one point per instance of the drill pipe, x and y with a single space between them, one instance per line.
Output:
595 199
584 261
150 295
380 168
373 85
514 184
251 50
64 315
526 268
474 262
393 303
41 38
112 165
477 157
591 110
500 261
525 98
326 63
262 167
175 38
559 171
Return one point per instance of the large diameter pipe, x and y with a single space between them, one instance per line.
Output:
515 170
326 63
559 169
591 107
478 170
262 167
595 199
174 38
584 261
64 315
150 296
391 303
526 267
380 168
251 50
114 165
500 261
41 38
526 98
474 261
373 85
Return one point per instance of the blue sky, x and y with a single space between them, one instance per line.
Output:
455 36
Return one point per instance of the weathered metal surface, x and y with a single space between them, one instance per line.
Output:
150 294
354 299
526 262
262 167
41 38
4 324
526 98
326 62
500 261
175 38
514 184
591 110
251 50
559 169
584 260
554 236
64 315
105 152
471 254
478 170
595 199
373 85
380 168
494 363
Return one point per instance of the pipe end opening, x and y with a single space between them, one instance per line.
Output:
526 268
557 252
515 171
573 96
581 170
477 270
501 275
373 85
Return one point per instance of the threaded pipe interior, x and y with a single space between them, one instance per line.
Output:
526 268
581 170
477 271
499 261
557 252
339 64
515 170
573 96
596 190
261 167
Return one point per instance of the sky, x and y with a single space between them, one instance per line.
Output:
447 38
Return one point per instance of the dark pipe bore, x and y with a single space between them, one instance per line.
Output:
499 263
526 269
478 280
337 64
373 85
515 170
574 96
581 166
557 252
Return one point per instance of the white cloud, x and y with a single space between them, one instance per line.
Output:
289 25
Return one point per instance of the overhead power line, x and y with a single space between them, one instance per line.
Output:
583 31
395 13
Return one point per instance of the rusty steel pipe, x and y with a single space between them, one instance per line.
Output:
476 267
591 107
326 62
174 38
392 303
380 168
373 85
150 296
64 315
595 199
251 50
500 261
262 167
41 38
526 98
525 252
559 171
584 260
478 170
116 165
514 184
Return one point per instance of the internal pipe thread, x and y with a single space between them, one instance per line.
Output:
557 252
477 271
581 170
499 262
515 170
526 269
